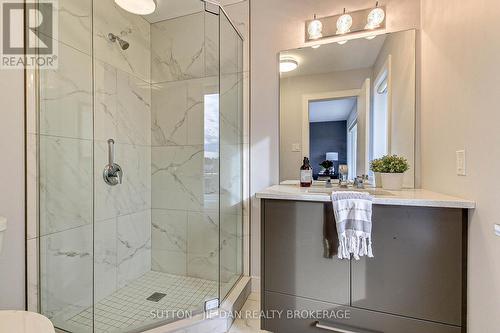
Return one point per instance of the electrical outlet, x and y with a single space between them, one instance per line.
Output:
296 147
497 230
461 163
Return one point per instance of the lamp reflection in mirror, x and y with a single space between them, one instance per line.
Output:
344 24
375 18
315 29
138 7
288 65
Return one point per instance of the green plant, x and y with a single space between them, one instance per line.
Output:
376 165
390 164
326 164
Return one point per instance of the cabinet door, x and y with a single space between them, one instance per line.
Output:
418 266
294 260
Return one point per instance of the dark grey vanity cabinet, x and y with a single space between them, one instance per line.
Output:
415 284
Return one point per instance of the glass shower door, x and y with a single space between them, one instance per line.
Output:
231 155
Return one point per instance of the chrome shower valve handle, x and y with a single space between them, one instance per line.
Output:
113 173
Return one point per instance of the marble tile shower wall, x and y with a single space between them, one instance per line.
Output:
73 139
185 176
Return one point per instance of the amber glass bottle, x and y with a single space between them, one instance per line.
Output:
306 174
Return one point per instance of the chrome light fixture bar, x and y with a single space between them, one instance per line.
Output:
365 20
138 7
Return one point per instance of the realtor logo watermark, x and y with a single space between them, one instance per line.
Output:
35 47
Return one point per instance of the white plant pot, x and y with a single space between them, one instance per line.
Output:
392 181
378 179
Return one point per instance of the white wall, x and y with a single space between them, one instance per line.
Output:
292 90
12 264
460 90
279 25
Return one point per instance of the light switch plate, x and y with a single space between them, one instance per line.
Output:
497 230
296 147
461 163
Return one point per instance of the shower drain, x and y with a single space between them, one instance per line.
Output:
156 297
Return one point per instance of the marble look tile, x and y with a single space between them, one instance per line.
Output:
66 273
105 259
239 13
177 178
134 194
66 96
178 48
169 230
32 275
65 184
75 23
178 111
134 246
212 44
172 262
123 106
110 18
203 245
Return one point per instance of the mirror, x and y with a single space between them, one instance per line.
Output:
349 104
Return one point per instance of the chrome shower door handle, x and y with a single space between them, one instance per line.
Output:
113 173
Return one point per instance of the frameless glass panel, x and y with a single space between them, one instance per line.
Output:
65 167
231 155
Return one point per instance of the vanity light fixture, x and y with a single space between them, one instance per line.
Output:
139 7
288 65
315 29
375 18
344 23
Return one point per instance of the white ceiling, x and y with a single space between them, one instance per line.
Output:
331 110
333 57
168 9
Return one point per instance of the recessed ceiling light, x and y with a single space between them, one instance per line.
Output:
344 24
139 7
315 29
288 65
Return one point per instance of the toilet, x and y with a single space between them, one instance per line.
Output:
24 322
3 228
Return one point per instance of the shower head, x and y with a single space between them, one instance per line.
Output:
114 38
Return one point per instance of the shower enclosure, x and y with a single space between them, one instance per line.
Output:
140 165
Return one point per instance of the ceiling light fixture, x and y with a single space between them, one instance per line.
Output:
344 24
139 7
288 65
342 42
375 18
315 29
317 46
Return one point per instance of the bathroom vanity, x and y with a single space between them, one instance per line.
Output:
416 283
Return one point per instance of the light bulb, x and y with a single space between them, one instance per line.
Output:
344 24
288 65
139 7
315 29
375 18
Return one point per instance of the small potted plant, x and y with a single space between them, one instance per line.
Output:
392 171
377 167
328 166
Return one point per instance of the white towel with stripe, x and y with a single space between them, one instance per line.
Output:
353 217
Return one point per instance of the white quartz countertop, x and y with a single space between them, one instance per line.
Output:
406 197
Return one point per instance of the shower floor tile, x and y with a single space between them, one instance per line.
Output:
128 308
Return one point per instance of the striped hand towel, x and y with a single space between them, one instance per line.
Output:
353 216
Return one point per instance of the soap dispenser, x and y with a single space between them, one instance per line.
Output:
306 174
